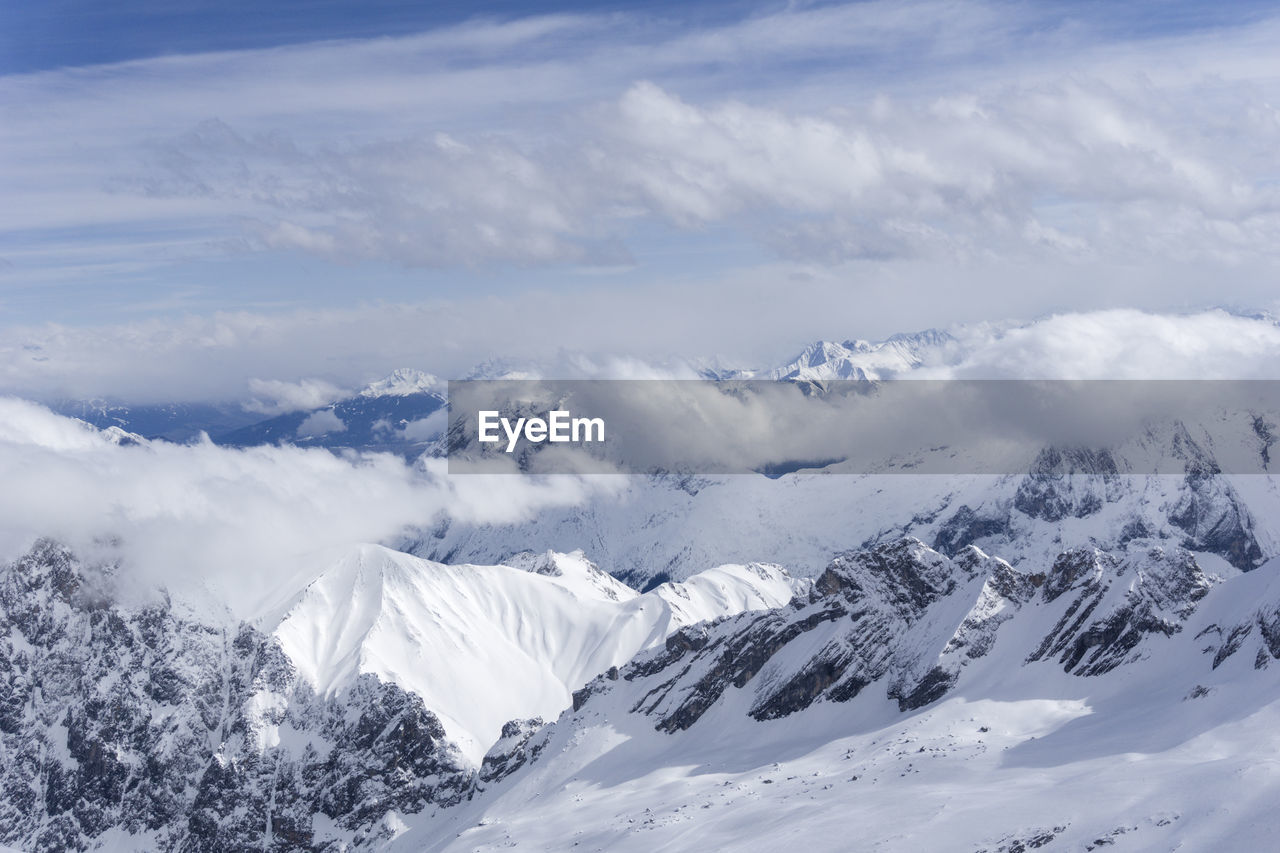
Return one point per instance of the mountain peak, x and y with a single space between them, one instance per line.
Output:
860 359
483 645
404 382
505 368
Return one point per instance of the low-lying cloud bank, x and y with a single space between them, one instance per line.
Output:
270 361
245 526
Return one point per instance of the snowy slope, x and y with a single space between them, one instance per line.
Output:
1097 673
963 775
1121 699
486 644
1152 740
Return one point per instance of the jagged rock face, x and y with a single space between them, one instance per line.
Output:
522 741
858 615
908 617
1098 631
1070 483
197 736
1223 641
968 526
1215 520
1206 514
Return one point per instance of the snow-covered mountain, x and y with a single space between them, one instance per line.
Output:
393 414
1164 482
1094 698
389 414
1079 656
911 702
483 645
664 527
155 726
858 359
405 382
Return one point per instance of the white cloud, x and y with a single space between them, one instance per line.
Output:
1068 169
244 525
427 428
954 128
1122 344
734 189
275 397
746 320
250 524
1072 168
322 422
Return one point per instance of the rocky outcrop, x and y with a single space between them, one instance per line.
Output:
187 735
522 741
1115 603
859 616
1067 483
896 616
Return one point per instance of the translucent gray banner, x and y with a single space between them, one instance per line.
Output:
857 427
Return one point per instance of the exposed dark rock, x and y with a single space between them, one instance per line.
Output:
931 688
1163 589
884 616
522 741
144 721
1266 433
1075 568
1067 483
1210 513
1232 643
967 527
856 615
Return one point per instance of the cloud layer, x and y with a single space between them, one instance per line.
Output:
315 215
226 357
244 526
860 131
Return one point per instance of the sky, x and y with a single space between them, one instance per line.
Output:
204 196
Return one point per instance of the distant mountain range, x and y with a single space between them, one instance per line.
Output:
855 359
394 414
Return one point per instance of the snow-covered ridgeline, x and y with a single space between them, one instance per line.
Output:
486 644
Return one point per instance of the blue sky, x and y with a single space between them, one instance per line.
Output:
62 33
723 179
57 33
